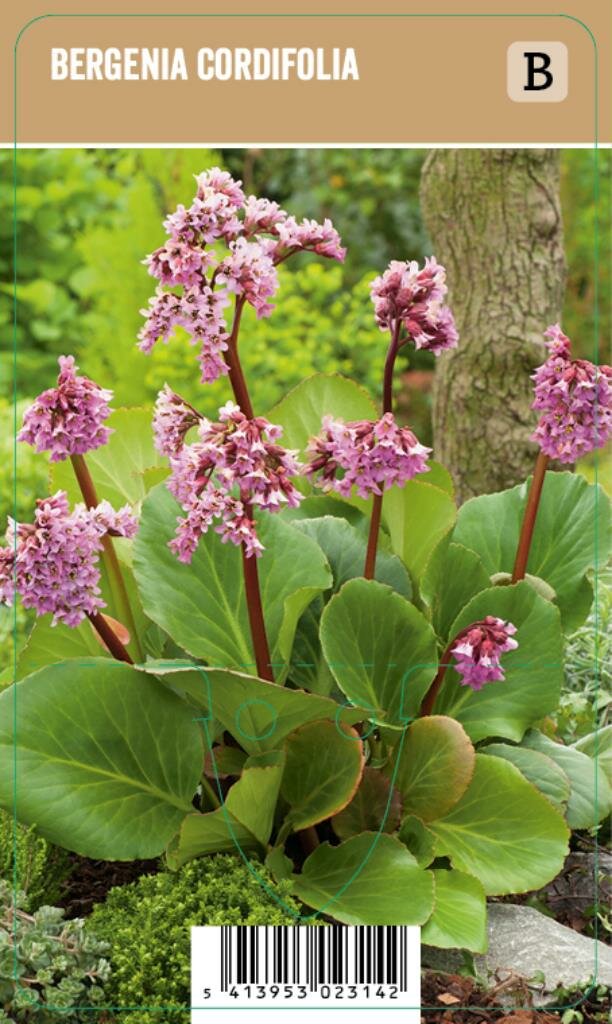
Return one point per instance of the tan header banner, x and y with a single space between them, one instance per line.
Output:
354 75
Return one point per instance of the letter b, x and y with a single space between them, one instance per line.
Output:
537 72
538 75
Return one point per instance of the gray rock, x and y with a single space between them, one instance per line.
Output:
524 942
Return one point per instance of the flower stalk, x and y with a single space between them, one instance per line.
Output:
111 564
529 518
377 500
107 634
250 571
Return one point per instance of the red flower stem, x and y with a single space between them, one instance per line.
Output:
529 518
430 697
109 637
249 565
377 501
109 557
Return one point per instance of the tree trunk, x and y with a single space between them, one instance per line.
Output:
494 219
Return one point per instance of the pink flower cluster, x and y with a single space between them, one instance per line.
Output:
413 298
53 562
575 399
258 234
233 465
370 456
68 419
172 419
478 650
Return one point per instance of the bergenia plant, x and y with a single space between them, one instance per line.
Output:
276 631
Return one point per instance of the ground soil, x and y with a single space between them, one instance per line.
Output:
453 999
90 881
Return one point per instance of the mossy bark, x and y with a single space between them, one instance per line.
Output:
494 219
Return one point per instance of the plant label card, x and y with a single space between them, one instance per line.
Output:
305 425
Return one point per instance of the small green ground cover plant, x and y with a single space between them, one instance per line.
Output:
147 923
278 634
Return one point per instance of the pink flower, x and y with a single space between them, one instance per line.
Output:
309 236
200 312
414 299
249 271
370 456
234 465
177 263
478 649
68 419
257 233
575 399
53 563
261 215
172 419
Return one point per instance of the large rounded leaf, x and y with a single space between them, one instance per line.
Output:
203 605
344 546
124 469
533 672
460 913
589 799
537 768
380 649
503 831
370 879
571 535
107 759
323 768
436 765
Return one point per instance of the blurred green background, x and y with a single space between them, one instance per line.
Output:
86 219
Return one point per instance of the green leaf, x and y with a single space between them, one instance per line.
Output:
323 769
369 879
598 745
314 506
417 516
537 768
202 834
571 533
503 831
435 768
203 605
107 758
460 913
374 804
380 649
258 714
301 412
454 575
439 476
252 799
119 468
588 802
345 550
344 547
533 672
419 840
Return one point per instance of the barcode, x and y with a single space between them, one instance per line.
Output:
314 956
321 966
